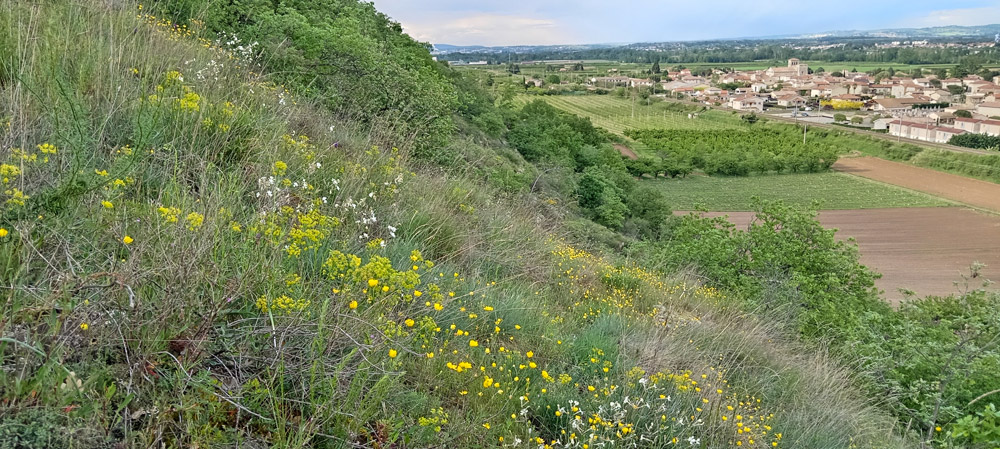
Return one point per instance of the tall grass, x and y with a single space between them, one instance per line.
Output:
198 258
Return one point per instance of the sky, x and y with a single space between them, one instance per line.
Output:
551 22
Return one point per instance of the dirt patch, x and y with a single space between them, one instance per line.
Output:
924 250
969 191
626 151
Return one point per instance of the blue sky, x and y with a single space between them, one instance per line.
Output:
520 22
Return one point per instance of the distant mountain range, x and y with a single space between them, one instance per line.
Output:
910 33
986 32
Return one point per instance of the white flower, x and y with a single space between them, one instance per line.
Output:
694 440
318 165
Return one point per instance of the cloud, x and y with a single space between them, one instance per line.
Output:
964 16
489 29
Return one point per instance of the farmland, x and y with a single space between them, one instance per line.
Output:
616 114
922 250
830 190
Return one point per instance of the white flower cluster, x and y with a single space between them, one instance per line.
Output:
245 52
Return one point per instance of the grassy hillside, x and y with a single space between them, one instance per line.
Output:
193 254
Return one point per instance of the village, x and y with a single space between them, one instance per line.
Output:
928 108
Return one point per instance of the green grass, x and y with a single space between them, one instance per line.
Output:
832 190
616 114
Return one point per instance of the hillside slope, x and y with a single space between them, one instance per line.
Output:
194 255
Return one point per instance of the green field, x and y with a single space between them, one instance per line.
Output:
832 190
617 114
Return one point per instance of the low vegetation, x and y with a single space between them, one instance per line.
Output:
754 150
833 191
223 230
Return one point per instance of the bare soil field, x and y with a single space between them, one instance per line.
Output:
626 151
921 249
969 191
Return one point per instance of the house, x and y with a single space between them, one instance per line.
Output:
923 131
640 82
898 107
988 127
979 86
939 95
791 101
942 118
610 81
989 109
902 90
951 82
747 103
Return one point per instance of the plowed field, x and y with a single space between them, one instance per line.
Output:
969 191
921 249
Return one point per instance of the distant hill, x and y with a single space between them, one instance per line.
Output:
941 32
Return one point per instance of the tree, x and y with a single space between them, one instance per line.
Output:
956 89
649 206
838 117
963 113
857 120
656 67
598 194
553 79
837 74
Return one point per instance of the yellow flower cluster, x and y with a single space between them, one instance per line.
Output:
281 304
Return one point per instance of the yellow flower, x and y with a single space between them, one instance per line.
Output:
372 282
3 233
107 204
417 293
393 353
84 326
430 355
409 322
127 240
529 354
488 308
194 220
473 343
353 305
279 168
438 306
